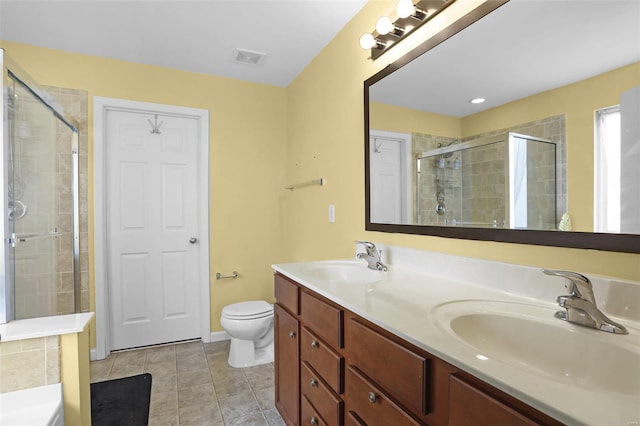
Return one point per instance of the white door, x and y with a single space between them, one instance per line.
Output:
387 198
152 228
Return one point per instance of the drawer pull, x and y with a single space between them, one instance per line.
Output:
314 383
292 334
373 397
313 421
314 344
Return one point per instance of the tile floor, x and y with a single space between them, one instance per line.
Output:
192 384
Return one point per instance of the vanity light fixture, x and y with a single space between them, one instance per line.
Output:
477 100
368 41
410 15
384 26
405 8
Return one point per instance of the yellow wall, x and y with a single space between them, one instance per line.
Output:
247 151
75 377
393 118
325 113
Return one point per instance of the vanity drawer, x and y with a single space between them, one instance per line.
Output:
324 319
286 293
370 403
309 415
328 405
323 359
352 419
400 371
469 405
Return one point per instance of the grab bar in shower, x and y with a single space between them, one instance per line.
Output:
15 238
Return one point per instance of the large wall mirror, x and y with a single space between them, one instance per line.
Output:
519 123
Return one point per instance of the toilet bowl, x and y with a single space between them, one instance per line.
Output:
250 326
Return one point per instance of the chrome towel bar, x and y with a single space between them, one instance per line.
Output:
312 182
219 276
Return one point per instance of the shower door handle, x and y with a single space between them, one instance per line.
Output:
15 239
193 240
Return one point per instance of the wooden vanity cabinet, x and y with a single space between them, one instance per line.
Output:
287 350
341 369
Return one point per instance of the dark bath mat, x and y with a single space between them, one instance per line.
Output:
121 402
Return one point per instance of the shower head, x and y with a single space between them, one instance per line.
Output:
448 154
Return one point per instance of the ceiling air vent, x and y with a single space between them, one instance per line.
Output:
249 57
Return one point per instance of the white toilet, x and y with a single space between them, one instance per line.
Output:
250 326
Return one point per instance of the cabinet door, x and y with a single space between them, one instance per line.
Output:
287 366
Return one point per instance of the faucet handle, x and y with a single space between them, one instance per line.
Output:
577 282
369 246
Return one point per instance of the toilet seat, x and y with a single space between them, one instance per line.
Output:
253 309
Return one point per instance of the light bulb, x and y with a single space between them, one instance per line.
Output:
405 8
367 41
384 25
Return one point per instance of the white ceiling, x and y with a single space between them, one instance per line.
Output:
523 48
191 35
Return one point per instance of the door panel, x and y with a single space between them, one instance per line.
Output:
152 187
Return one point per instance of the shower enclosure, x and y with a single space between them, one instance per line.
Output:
39 186
502 181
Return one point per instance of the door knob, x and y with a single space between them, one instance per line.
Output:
193 240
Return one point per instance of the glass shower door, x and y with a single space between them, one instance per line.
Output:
40 207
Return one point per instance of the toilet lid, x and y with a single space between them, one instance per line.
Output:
252 308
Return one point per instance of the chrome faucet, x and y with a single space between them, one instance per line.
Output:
372 256
580 305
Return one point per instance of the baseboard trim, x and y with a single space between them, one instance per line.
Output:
219 336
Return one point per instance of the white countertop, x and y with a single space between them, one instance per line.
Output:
404 300
44 326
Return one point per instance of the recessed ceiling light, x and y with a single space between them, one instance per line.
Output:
477 100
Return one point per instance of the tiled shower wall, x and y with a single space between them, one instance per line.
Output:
490 170
475 193
432 179
33 188
74 103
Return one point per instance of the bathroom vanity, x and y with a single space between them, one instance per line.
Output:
362 347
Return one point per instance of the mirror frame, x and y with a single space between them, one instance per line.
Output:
625 243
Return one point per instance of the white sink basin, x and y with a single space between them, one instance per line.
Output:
342 272
530 338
